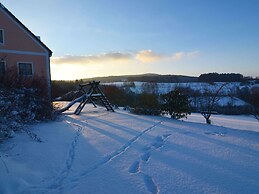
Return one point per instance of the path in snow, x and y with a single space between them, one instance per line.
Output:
69 161
62 175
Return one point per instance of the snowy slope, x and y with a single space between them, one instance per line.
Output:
105 152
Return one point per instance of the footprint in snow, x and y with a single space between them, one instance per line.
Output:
160 141
146 148
158 145
145 157
134 168
150 184
166 136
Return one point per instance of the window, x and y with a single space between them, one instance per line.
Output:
2 68
1 36
25 68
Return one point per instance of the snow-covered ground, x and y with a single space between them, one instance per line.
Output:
106 152
241 122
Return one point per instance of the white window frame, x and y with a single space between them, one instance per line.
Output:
4 66
2 43
32 68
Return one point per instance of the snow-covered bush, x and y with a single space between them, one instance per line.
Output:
21 106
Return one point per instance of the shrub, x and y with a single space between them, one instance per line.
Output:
147 104
61 88
20 106
175 104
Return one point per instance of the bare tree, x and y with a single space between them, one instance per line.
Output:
209 100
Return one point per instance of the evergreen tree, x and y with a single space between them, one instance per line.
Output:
175 104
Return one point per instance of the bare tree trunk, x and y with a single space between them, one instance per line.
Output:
256 115
206 115
211 101
208 121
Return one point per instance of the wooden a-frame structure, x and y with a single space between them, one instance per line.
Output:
89 92
94 93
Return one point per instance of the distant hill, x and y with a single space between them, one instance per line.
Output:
146 78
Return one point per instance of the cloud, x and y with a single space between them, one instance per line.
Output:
193 53
148 56
143 56
92 59
182 55
178 55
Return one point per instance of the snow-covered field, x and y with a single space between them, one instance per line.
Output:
163 88
228 91
106 152
241 122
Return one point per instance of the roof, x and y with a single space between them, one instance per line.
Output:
23 26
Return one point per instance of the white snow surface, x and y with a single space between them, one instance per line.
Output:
118 152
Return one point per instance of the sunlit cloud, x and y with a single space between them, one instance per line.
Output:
182 55
147 56
143 56
92 59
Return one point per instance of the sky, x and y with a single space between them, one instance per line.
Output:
92 38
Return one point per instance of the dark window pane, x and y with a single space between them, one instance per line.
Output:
25 68
2 68
1 36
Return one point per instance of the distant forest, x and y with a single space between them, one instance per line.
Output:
146 78
223 77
